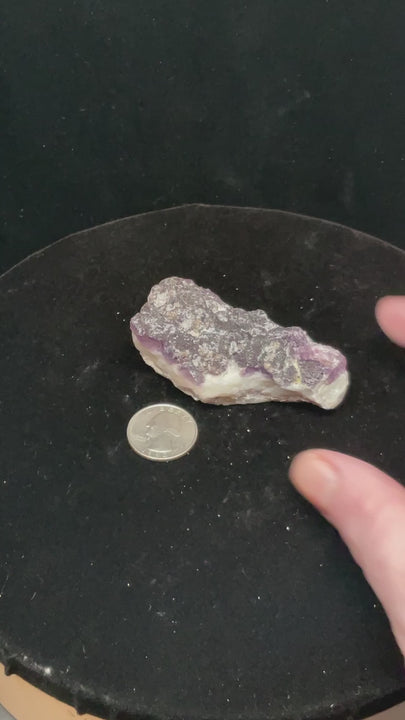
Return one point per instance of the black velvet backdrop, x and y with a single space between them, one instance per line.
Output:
112 108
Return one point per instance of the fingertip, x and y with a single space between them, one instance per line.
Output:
314 477
390 315
382 308
298 460
299 466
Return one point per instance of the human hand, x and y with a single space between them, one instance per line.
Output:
366 506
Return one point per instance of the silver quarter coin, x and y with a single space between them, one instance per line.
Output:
162 432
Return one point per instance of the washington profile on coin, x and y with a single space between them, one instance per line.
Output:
162 432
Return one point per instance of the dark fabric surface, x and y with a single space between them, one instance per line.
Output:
206 587
112 108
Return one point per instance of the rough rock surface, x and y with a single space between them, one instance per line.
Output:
224 355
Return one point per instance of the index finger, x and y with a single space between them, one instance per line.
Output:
390 314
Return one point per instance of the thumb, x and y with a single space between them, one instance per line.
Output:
367 508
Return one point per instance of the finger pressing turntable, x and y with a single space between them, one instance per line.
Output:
367 508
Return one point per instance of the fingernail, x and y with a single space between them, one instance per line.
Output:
315 478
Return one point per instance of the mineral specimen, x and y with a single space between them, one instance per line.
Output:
225 355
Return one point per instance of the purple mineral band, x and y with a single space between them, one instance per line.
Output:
157 346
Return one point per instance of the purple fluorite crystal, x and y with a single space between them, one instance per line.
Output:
225 355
